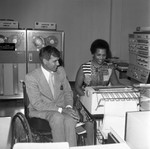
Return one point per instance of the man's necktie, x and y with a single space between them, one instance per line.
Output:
51 82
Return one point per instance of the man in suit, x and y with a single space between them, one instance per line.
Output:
51 97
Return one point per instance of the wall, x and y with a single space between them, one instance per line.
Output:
83 21
126 16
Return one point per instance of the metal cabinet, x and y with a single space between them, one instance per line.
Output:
16 62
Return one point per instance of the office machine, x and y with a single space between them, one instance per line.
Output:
45 26
112 102
9 24
19 54
12 62
36 39
139 55
96 97
137 127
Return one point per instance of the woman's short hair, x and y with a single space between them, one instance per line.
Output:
100 44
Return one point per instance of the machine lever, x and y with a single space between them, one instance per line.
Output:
30 57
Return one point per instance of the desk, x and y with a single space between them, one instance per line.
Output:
105 146
65 145
5 132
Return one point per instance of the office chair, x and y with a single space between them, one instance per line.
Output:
27 129
40 127
21 131
36 129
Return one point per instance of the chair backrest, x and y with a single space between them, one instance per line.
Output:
39 124
25 100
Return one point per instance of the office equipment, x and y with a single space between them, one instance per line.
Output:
112 102
139 55
114 116
112 143
19 54
45 25
9 24
12 62
137 126
36 39
143 29
96 97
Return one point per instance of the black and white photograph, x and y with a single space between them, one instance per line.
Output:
74 74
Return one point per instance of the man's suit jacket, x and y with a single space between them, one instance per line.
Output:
40 96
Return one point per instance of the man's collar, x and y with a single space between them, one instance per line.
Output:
46 71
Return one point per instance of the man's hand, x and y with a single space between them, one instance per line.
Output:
71 112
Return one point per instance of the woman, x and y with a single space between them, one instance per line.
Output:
96 72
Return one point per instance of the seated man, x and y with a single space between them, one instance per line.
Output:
51 97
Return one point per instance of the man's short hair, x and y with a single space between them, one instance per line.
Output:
47 51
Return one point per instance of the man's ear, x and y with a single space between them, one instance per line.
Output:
44 61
